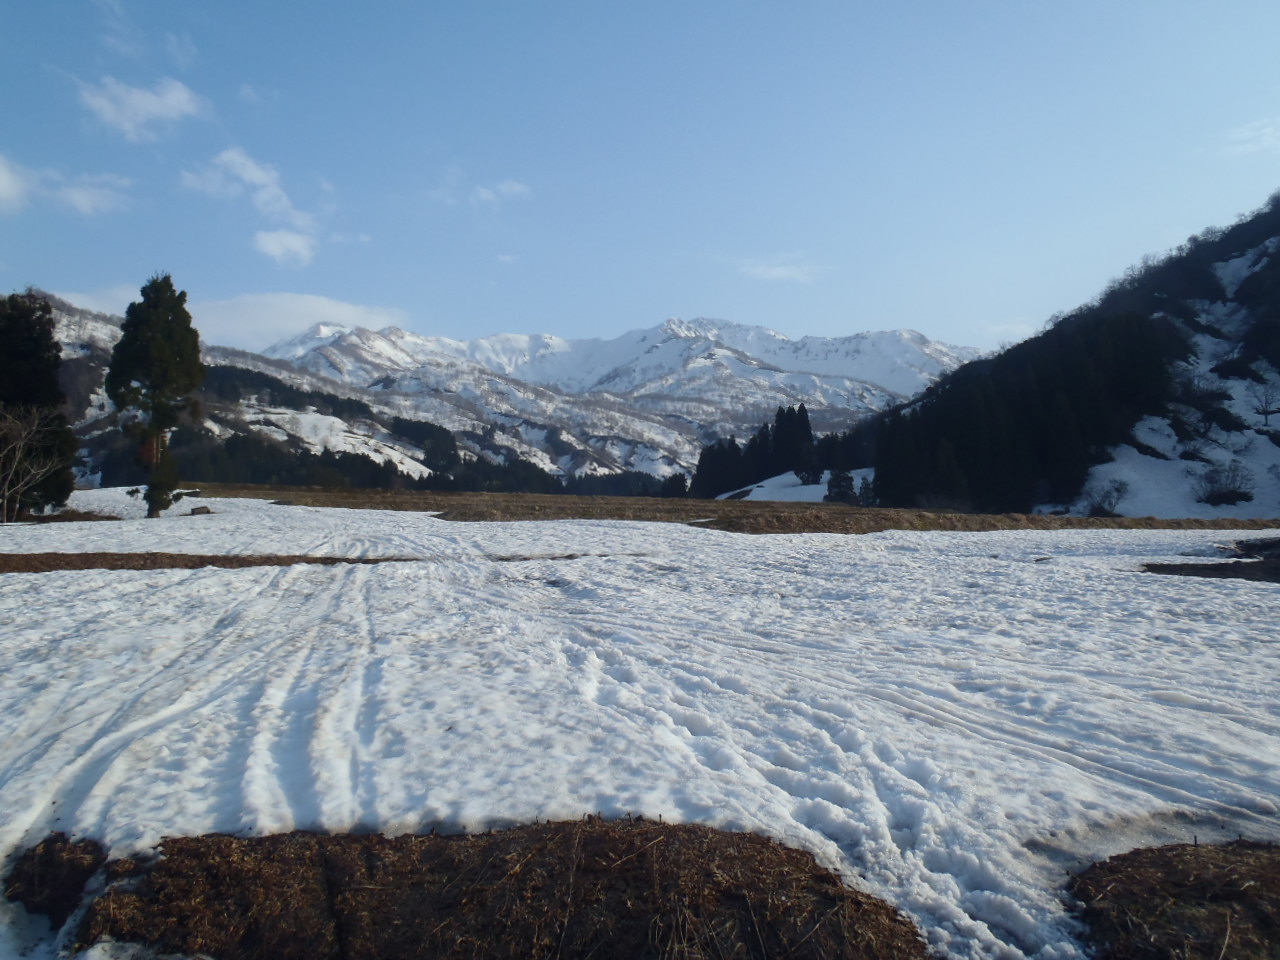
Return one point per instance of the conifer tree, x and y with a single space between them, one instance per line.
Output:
155 366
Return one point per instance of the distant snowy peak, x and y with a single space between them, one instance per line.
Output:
898 362
314 337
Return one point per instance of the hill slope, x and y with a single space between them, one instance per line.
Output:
1156 399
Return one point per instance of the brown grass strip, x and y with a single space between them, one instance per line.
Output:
590 888
742 516
49 562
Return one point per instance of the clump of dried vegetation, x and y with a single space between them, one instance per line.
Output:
1184 902
623 888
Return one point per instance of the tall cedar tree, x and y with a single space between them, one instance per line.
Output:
154 368
37 445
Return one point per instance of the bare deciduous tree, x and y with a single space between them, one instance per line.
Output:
27 457
1266 400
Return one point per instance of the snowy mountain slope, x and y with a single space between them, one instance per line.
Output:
741 373
647 400
1215 452
901 362
952 721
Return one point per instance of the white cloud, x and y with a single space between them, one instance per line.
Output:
257 320
15 186
136 112
233 170
88 194
286 246
248 94
499 191
787 267
1261 136
113 300
92 195
506 258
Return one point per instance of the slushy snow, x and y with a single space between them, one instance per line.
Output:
951 721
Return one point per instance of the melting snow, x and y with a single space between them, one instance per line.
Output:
950 720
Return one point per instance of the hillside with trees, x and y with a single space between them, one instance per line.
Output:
1168 379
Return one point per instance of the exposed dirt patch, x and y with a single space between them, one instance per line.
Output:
47 562
1262 570
50 878
70 516
1184 901
742 516
1259 560
629 888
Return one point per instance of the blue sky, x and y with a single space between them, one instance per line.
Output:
585 168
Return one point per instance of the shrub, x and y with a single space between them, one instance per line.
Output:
1222 486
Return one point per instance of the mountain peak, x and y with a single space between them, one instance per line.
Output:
315 336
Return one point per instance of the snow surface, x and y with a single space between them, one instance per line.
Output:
787 488
950 720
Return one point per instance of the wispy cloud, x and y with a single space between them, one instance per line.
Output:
498 192
15 186
120 35
286 246
138 113
89 194
113 300
790 268
233 173
181 50
1261 136
255 321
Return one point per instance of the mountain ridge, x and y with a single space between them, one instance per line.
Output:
646 400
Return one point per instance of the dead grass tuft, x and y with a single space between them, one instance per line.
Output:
592 888
49 878
1184 902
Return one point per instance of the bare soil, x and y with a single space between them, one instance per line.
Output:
1184 901
1258 560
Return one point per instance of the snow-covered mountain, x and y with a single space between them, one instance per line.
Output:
900 361
688 380
646 400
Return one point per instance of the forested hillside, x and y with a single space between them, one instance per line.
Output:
1167 380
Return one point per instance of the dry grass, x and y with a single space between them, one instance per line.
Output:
47 562
742 516
591 888
1184 902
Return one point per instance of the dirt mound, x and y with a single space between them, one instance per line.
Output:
1184 901
629 888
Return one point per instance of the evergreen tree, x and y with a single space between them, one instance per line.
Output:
155 366
36 443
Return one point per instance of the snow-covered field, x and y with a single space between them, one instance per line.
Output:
951 720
